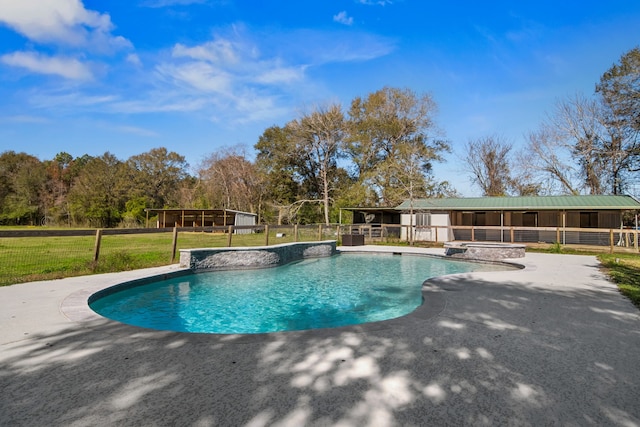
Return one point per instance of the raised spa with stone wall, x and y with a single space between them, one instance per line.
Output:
484 251
254 257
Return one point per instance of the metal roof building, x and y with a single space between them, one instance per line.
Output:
538 203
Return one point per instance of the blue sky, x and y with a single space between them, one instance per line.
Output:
197 75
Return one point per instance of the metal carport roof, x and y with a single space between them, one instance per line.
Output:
591 202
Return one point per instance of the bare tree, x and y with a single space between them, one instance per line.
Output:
488 160
231 181
550 159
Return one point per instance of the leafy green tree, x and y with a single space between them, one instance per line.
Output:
61 173
383 128
157 175
22 183
101 190
619 89
135 214
279 164
299 165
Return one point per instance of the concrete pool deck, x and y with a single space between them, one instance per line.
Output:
551 344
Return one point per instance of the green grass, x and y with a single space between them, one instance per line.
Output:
24 259
624 270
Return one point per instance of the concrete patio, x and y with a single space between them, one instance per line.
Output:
551 344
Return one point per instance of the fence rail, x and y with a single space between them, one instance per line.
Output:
39 254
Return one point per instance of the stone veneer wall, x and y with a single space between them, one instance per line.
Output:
488 251
254 257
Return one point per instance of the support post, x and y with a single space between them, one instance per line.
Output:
96 247
266 234
610 241
174 244
229 234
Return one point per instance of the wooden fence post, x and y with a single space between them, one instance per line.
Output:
229 234
611 241
266 234
96 247
174 244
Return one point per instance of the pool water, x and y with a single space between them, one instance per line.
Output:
341 290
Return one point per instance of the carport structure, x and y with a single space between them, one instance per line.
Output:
200 217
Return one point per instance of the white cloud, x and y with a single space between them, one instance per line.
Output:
197 75
342 18
375 2
134 59
168 102
136 131
281 75
69 68
26 119
215 51
64 22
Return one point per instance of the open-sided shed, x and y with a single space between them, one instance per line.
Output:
201 218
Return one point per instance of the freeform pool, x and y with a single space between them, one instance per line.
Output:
346 289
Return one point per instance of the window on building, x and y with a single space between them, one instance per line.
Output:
530 219
423 219
588 219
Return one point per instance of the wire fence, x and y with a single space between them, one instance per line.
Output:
41 254
29 255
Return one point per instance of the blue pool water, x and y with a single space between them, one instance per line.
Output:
342 290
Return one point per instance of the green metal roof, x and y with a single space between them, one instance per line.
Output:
525 203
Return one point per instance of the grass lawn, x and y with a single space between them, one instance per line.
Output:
24 259
624 270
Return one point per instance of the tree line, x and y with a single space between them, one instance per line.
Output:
379 151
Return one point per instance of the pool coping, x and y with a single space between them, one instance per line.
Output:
75 306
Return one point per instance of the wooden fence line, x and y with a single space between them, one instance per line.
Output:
374 232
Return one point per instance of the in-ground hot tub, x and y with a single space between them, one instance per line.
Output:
484 250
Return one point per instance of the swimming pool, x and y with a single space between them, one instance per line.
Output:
345 289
